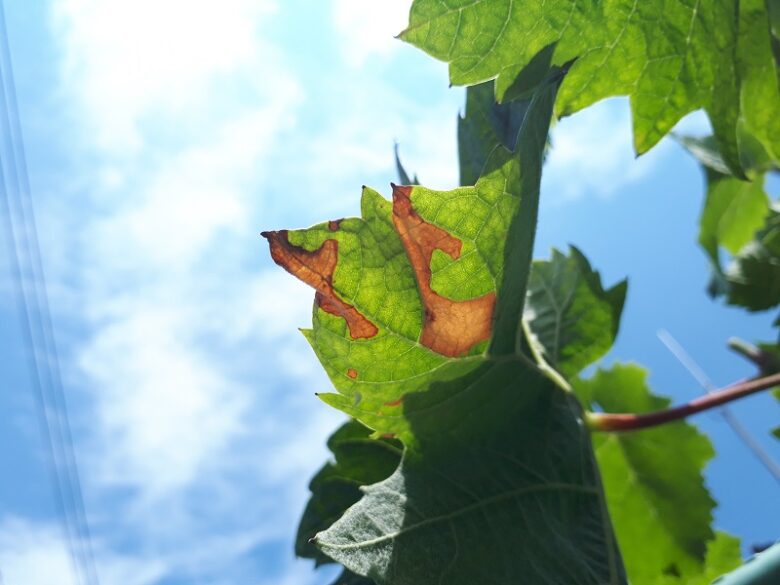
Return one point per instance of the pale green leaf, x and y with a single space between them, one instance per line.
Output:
653 480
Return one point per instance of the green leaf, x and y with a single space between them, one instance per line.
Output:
762 569
737 216
669 58
484 126
653 479
754 275
573 318
418 322
359 460
723 555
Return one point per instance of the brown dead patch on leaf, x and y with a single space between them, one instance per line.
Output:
450 327
316 269
333 224
352 373
395 402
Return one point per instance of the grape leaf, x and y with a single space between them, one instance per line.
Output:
669 58
573 318
418 322
653 479
359 460
723 555
754 275
738 217
484 125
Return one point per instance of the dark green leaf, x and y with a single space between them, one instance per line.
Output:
669 58
573 318
506 494
359 461
485 125
347 577
653 479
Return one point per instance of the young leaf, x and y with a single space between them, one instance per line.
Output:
359 461
573 318
497 482
653 479
670 59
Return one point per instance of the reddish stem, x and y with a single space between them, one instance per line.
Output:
605 421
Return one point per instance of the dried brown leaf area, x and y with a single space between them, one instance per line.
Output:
450 328
316 269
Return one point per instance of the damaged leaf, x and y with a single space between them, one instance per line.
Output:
496 458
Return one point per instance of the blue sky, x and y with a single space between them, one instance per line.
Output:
162 137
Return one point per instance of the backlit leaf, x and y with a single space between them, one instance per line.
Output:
669 58
653 479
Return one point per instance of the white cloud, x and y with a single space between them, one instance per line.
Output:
592 154
366 29
124 61
200 389
37 554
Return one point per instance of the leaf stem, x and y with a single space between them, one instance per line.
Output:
611 422
728 415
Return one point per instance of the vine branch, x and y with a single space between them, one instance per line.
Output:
611 422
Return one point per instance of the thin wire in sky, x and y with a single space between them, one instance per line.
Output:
37 331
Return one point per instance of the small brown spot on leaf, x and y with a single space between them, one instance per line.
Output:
450 327
333 224
352 373
395 402
316 269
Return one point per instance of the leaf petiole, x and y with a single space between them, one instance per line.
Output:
622 422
